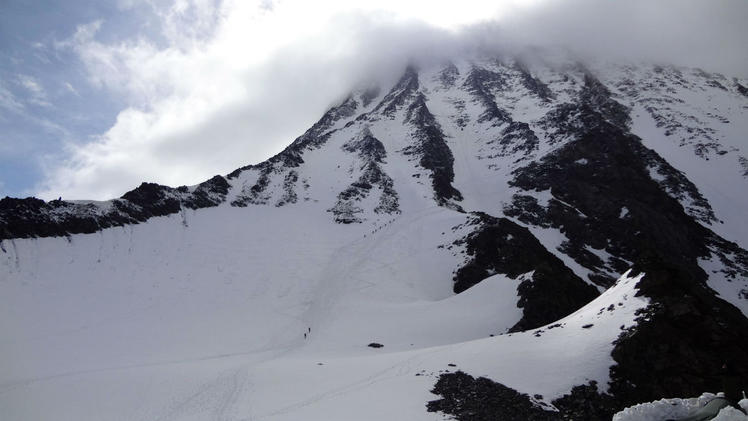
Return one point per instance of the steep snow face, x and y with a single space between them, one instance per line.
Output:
696 120
528 186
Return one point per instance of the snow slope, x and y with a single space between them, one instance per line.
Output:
129 324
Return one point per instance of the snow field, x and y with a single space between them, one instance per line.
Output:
207 321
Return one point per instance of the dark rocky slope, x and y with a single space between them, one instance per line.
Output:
32 217
681 341
371 153
433 152
481 399
604 197
499 245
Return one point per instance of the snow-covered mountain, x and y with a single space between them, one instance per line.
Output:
566 238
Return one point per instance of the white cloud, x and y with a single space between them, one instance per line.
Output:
230 90
15 106
8 101
70 88
36 93
709 34
230 83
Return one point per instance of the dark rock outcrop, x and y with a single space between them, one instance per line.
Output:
517 137
289 191
32 217
477 399
499 245
604 195
610 193
604 198
371 152
681 340
744 164
741 89
433 150
533 84
470 399
480 83
406 88
448 75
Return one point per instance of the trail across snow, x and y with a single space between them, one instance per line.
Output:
129 324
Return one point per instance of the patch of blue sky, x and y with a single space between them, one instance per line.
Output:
46 99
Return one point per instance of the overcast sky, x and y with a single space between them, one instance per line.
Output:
96 97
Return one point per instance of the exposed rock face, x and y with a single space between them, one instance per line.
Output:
405 89
681 341
470 399
480 82
742 89
604 196
289 191
256 194
657 93
515 138
448 75
610 193
593 108
291 157
532 83
371 153
433 151
499 245
596 101
744 164
31 217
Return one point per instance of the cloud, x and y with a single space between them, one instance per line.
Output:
709 34
8 101
36 93
12 104
70 88
229 83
